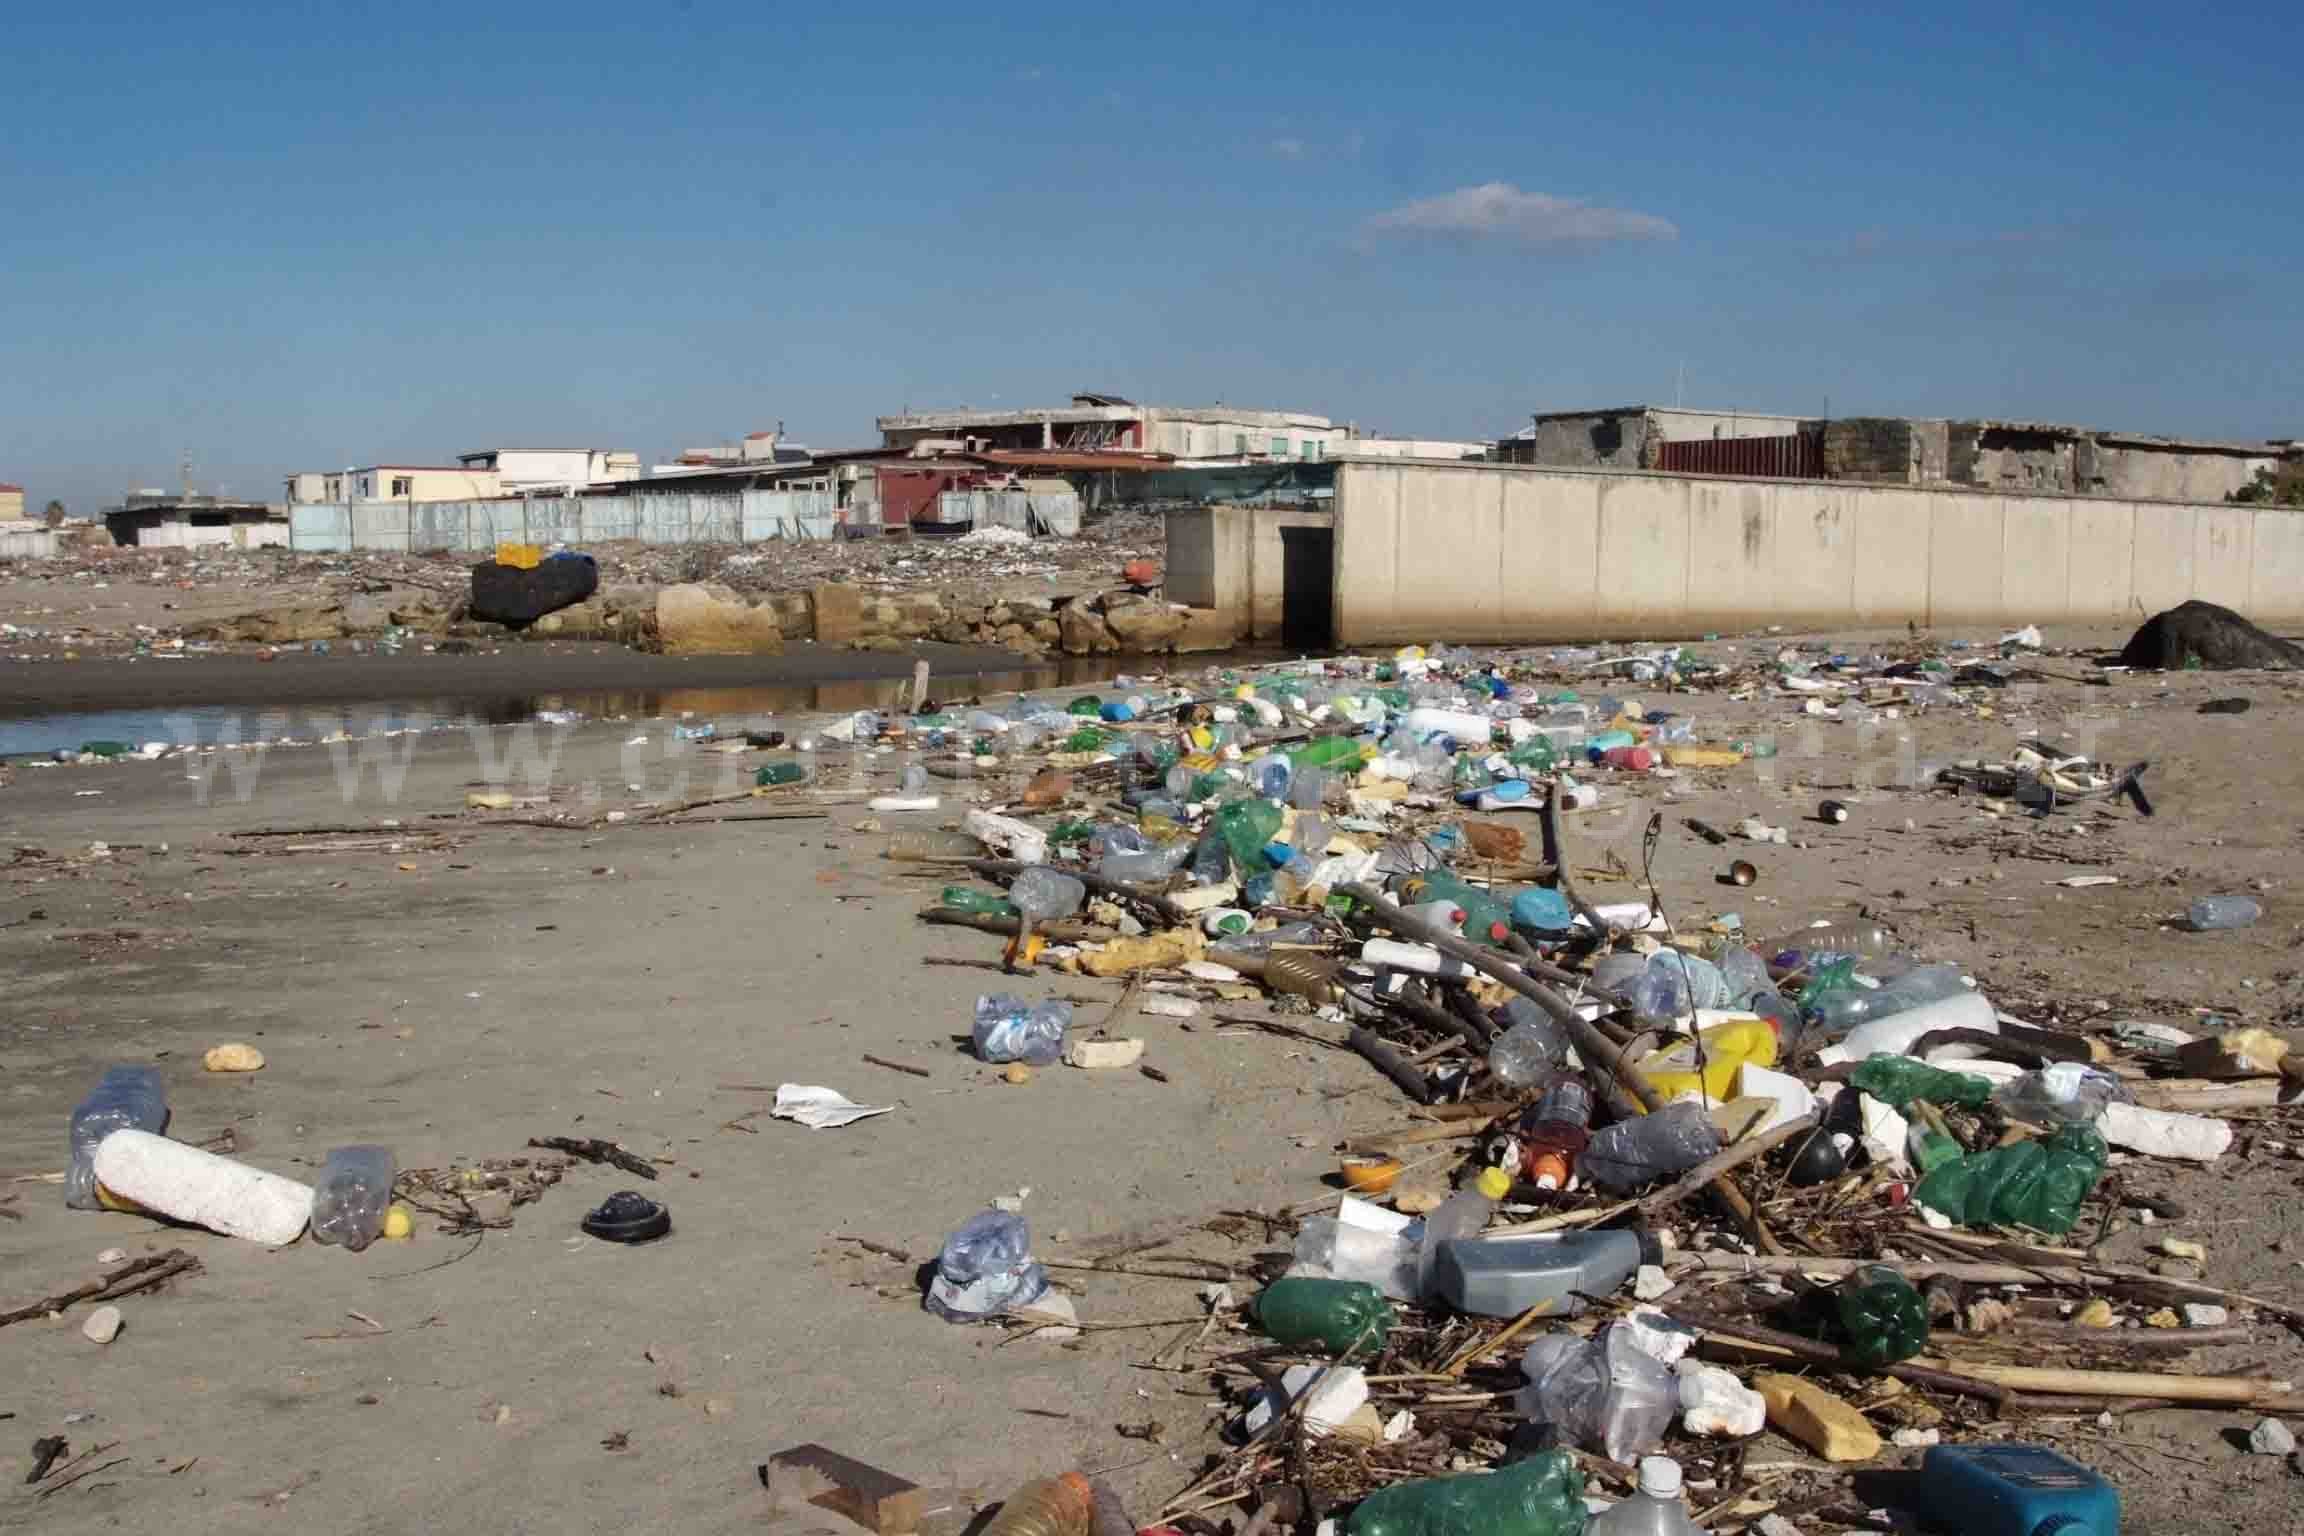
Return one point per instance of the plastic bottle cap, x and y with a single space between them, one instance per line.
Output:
1660 1477
1495 1183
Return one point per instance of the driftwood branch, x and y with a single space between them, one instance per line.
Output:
136 1275
594 1150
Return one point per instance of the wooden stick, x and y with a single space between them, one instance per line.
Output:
1939 1376
136 1275
896 1066
1556 854
593 1150
2090 1277
1387 1061
1724 1161
2237 1391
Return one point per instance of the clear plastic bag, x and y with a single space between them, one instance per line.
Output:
1605 1393
1010 1029
985 1268
1637 1152
2064 1093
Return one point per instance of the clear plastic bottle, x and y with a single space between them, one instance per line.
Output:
125 1099
1043 894
1047 1506
1632 1154
1147 865
1008 1028
2062 1093
353 1193
1842 1010
1656 1510
1530 1051
929 843
2222 912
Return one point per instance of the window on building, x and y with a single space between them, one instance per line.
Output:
403 485
1240 445
1312 447
1279 447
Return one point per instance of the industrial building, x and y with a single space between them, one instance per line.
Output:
168 519
2033 457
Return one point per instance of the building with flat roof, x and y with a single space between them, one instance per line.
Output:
11 503
552 471
1109 423
392 482
167 519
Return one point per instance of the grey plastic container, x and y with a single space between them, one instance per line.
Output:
1505 1276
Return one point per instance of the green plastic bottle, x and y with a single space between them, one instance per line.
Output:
1541 1496
1086 739
1087 705
1878 1318
963 898
106 748
1486 920
1329 752
1897 1080
785 770
1348 1317
1246 827
2037 1184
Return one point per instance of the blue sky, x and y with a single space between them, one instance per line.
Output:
287 236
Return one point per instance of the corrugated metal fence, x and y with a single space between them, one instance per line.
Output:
734 517
1797 457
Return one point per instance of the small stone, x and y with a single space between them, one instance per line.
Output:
717 1407
1016 1072
2097 1314
502 1415
2164 1318
1913 1439
2179 1248
1103 1055
233 1057
2198 1314
112 1256
103 1326
2270 1437
1650 1282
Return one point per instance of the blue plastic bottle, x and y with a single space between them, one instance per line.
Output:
2015 1490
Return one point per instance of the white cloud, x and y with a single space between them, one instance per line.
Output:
1501 211
1287 149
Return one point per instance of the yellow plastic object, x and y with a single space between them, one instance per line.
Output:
523 557
1702 757
1202 737
399 1222
112 1202
1726 1047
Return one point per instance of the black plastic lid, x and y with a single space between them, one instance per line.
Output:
628 1217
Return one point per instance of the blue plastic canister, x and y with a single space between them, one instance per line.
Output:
2015 1490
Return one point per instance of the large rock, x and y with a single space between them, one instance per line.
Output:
1208 629
1144 627
1084 633
274 626
697 620
839 610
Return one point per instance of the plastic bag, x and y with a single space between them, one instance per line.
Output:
985 1268
1605 1393
1346 1316
2037 1184
2066 1093
1897 1080
1634 1153
1010 1029
1541 1496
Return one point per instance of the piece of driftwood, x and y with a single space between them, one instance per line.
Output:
136 1275
593 1150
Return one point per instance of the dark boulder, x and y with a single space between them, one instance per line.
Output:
517 598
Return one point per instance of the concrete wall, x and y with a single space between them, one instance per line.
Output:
2166 474
1472 553
1230 559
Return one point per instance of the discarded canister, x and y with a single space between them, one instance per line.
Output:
1742 872
1832 811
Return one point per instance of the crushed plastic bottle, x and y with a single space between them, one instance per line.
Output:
1897 1080
1541 1496
2038 1184
125 1098
1632 1154
2211 912
1554 1135
1044 894
1530 1050
1842 1009
352 1194
1010 1029
985 1268
1346 1317
1877 1318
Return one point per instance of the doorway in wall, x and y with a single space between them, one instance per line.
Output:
1308 588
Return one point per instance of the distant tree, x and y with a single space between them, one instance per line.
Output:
53 514
2281 487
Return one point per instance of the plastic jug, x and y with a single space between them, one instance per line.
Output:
1725 1048
1505 1276
2015 1490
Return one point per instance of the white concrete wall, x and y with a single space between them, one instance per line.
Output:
1474 552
